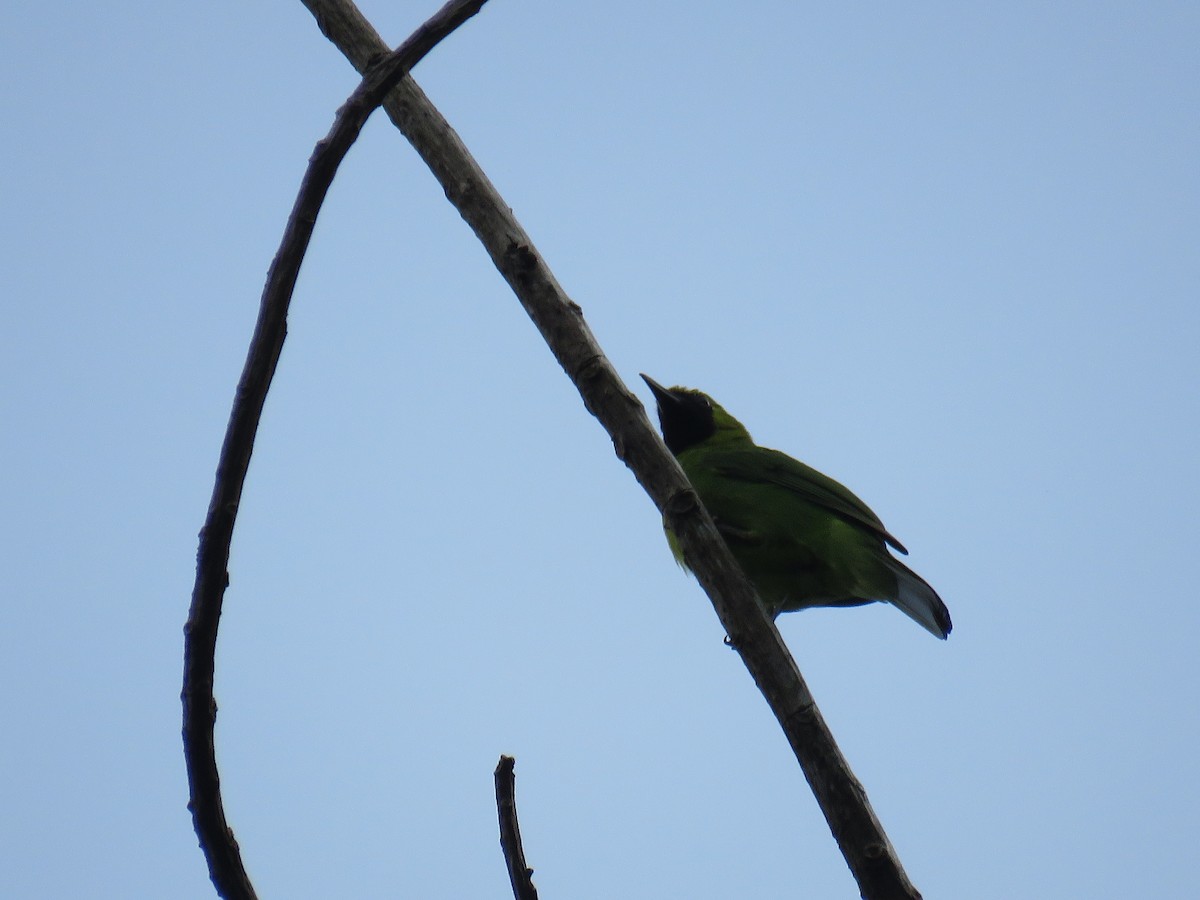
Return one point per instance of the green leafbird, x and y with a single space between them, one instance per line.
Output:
801 538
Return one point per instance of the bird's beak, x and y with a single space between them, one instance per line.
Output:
661 394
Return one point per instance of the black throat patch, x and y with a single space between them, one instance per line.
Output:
686 419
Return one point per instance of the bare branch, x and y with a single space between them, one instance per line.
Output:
866 848
200 633
519 872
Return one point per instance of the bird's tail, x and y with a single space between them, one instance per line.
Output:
920 602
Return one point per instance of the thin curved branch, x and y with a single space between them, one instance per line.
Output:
519 873
200 633
862 840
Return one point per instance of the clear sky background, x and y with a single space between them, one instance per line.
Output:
947 253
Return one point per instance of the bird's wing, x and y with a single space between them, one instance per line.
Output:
772 467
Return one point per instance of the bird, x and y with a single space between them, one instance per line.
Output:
801 538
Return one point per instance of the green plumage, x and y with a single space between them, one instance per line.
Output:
801 538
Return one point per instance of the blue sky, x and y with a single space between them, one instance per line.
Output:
945 253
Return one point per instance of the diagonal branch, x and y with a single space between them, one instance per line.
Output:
519 873
200 633
863 843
